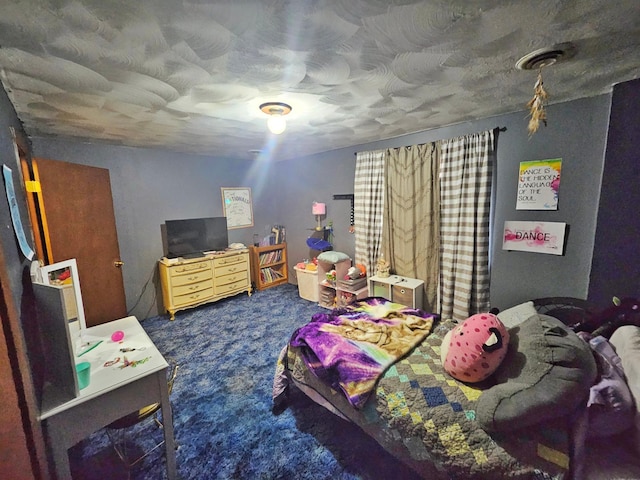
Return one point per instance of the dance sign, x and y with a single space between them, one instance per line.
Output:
537 237
538 184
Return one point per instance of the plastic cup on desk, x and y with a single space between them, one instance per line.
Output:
83 370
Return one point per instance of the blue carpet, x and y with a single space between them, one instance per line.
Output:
221 401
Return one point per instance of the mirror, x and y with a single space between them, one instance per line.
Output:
65 276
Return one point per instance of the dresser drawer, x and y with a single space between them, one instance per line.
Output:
191 277
403 295
193 298
233 260
191 287
230 287
231 278
231 269
188 268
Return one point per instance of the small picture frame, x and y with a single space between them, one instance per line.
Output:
237 207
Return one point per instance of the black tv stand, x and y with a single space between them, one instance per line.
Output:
193 255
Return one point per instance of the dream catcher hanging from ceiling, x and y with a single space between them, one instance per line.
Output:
537 60
536 105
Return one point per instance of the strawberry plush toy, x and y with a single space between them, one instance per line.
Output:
474 349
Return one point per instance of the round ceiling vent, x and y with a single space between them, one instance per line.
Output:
545 57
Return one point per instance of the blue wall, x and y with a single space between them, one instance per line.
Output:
576 133
21 440
150 186
616 271
15 261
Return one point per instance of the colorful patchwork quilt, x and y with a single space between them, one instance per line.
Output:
427 419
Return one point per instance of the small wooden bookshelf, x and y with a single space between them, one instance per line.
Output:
269 266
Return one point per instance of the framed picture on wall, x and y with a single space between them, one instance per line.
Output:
536 237
538 184
237 207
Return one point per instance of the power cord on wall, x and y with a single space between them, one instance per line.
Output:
144 289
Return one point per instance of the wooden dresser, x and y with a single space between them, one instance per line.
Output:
187 283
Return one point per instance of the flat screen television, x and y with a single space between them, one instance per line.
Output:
192 237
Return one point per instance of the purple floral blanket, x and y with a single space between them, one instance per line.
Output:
349 348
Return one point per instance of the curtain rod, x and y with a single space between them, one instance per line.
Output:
500 129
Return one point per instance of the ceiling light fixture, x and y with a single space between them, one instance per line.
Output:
545 57
276 111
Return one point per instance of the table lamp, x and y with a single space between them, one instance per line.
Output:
318 210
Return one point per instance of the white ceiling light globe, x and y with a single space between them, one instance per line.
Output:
277 124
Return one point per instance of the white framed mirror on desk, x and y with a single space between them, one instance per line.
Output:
62 329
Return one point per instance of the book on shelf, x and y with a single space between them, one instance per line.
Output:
270 257
268 275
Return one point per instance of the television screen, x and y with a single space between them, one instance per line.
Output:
196 235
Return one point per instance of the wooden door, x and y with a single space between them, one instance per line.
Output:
78 221
15 461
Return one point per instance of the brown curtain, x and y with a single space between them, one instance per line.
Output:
411 226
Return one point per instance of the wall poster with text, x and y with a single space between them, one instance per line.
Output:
237 207
536 237
538 185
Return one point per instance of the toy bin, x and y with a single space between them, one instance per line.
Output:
307 284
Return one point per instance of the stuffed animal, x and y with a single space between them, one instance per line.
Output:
474 349
623 312
383 268
352 273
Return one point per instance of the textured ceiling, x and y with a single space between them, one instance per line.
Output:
189 76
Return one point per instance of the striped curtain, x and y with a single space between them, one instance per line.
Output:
465 198
368 204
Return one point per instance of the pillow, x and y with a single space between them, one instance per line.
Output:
626 341
611 409
547 373
333 257
516 315
474 349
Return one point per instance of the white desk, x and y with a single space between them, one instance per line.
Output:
112 393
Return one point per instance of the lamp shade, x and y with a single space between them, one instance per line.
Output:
318 208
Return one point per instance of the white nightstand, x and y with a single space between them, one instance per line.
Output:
404 290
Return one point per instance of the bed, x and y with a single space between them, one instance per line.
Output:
414 409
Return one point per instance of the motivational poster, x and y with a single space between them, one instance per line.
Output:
237 207
537 237
538 185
